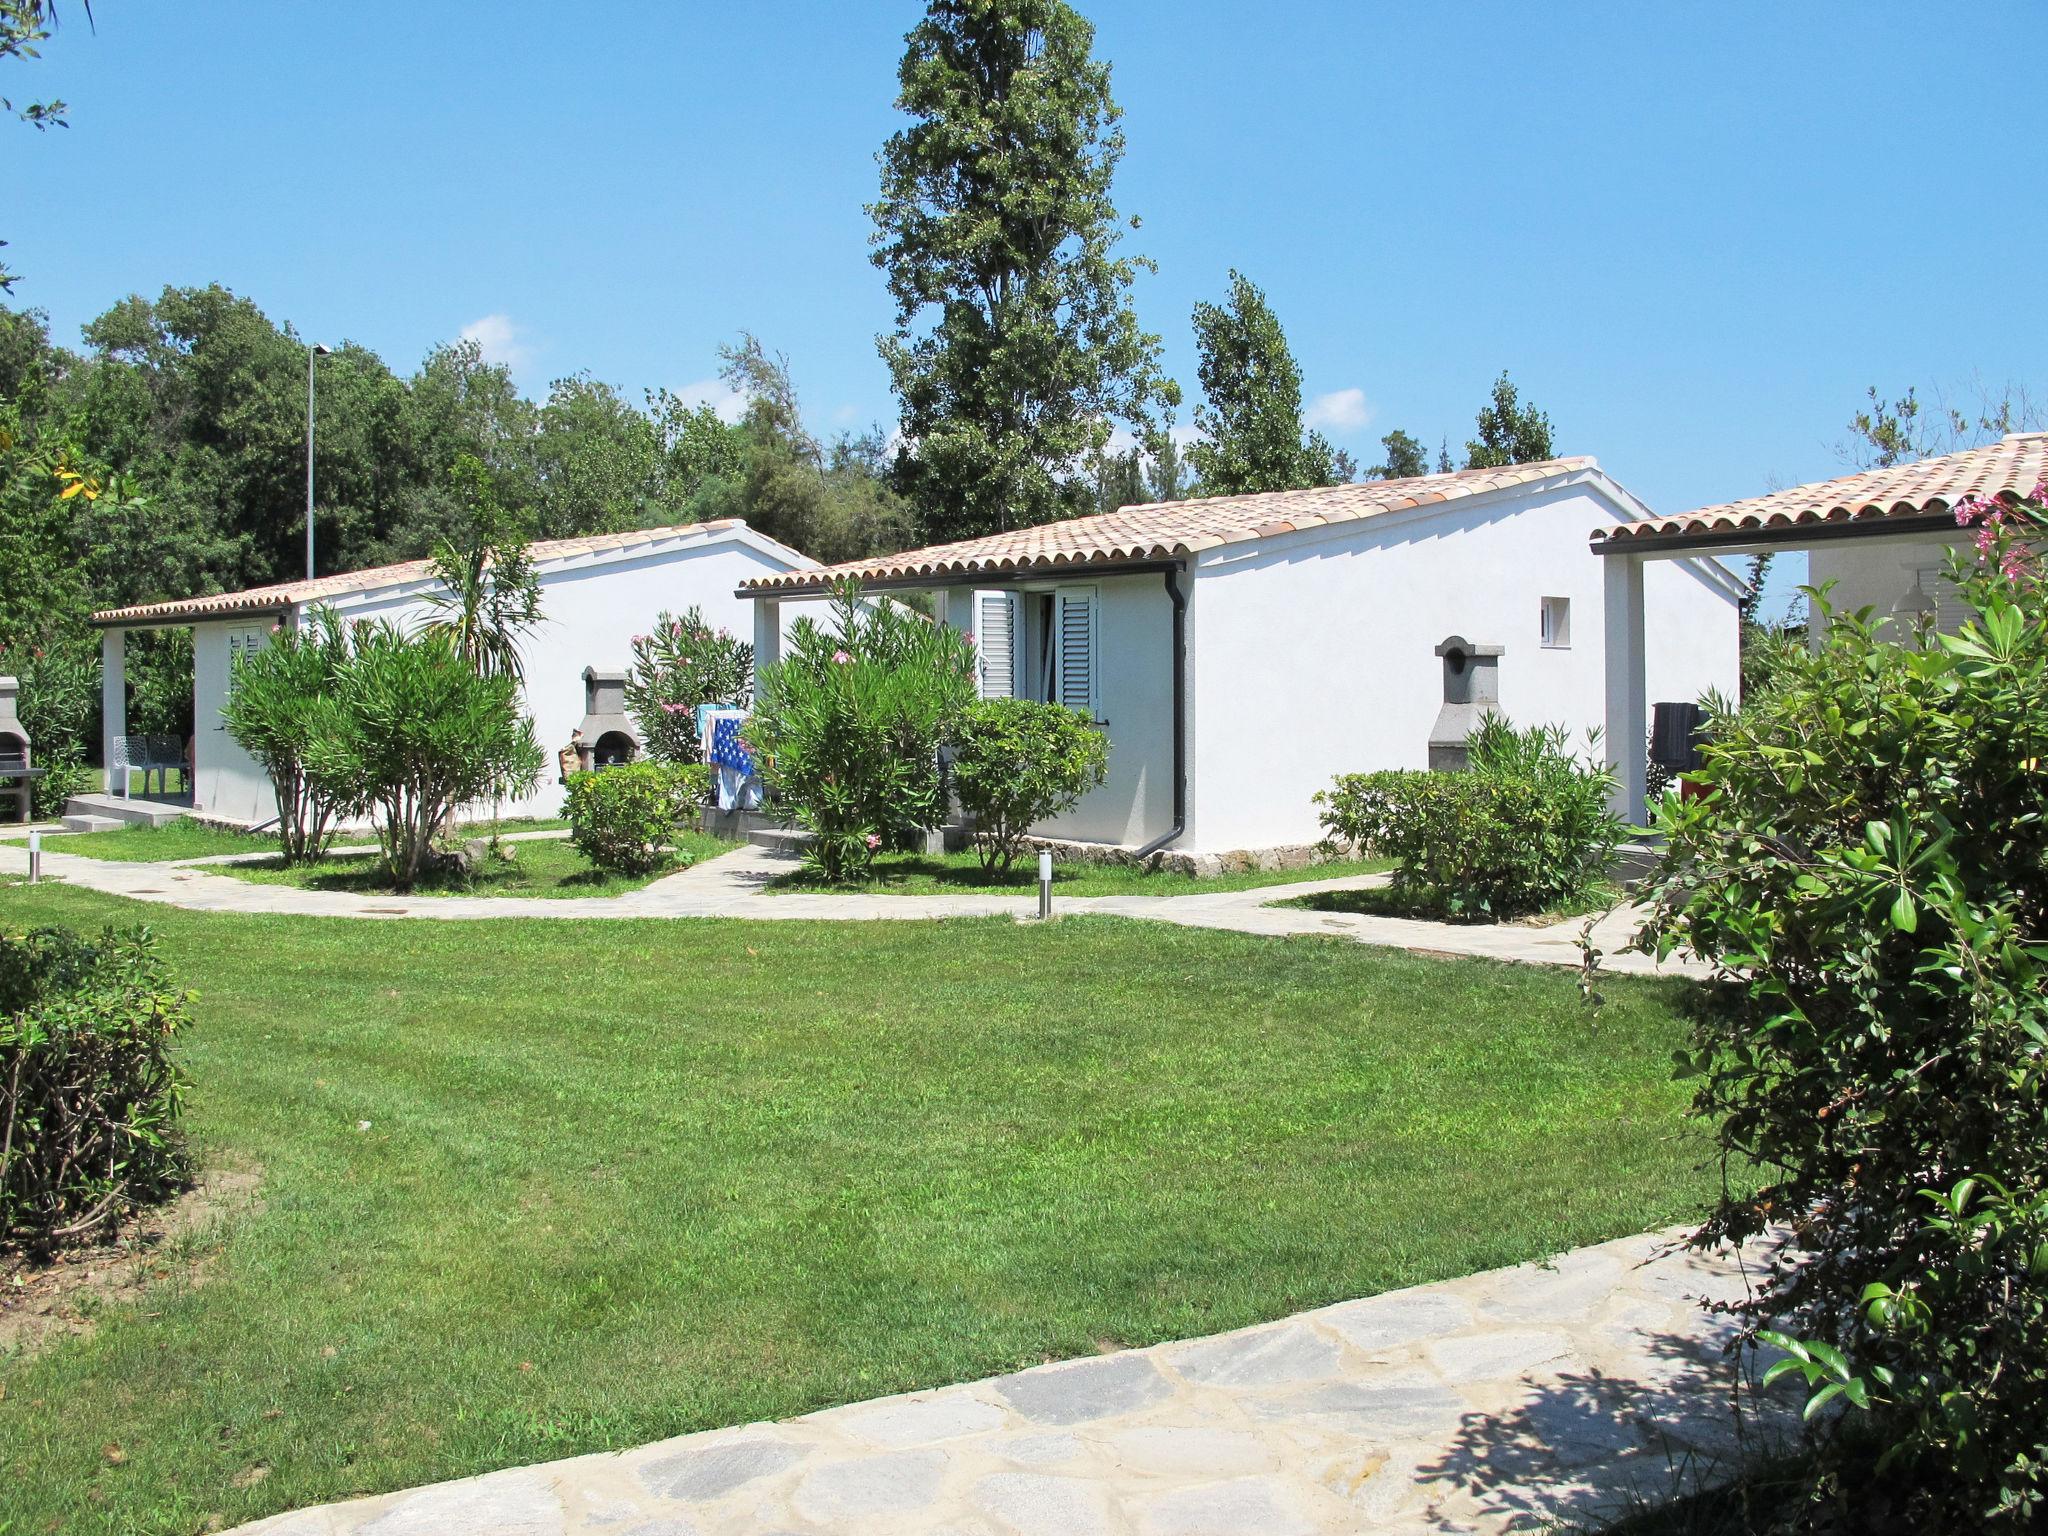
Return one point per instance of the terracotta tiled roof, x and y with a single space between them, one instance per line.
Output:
2010 468
289 594
1165 530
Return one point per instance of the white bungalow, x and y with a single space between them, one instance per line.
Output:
1242 651
596 594
1881 538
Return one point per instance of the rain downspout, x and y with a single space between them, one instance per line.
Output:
1180 717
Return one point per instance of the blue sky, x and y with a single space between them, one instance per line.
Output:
1693 235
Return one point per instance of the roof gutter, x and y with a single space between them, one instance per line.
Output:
1795 535
1179 599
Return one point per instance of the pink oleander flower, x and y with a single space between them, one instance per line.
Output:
841 657
675 626
639 639
874 842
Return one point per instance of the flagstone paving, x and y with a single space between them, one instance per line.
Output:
733 886
1504 1401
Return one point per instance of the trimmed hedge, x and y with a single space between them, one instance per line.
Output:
621 818
89 1096
1524 829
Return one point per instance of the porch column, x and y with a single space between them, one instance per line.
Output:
1628 725
767 632
113 702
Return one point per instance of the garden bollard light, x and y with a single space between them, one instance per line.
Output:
1045 885
35 857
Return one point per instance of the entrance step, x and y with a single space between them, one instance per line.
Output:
117 810
87 823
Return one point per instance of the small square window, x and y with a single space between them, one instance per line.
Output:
1557 623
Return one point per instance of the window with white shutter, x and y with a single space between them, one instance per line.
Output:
995 644
1073 666
245 641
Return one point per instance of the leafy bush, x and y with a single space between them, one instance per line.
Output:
847 730
684 663
1526 827
410 734
621 817
1866 877
89 1096
1016 762
60 708
275 704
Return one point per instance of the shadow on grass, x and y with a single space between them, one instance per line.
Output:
1589 1449
1383 901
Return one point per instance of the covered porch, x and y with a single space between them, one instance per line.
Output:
1880 538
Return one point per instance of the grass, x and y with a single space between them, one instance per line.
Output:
961 874
1380 901
543 868
174 840
186 838
538 1188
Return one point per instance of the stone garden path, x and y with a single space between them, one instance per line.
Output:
1506 1401
733 886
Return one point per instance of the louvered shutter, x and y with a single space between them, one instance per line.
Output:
995 644
1073 663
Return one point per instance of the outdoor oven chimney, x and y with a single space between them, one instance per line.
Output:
1471 692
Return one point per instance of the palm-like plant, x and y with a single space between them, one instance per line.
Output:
488 598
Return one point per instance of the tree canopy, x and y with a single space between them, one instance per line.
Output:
1253 439
1016 346
1509 431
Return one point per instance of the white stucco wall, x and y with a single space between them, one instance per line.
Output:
226 781
1313 652
1134 703
591 610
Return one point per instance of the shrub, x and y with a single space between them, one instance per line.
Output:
60 708
274 705
410 734
847 730
89 1096
1524 828
1866 876
684 663
1016 762
621 817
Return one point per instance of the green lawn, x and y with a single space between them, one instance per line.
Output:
189 839
543 867
961 874
699 1173
180 839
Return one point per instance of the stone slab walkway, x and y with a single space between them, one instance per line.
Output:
1504 1401
734 886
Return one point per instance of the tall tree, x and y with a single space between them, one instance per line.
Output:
1509 432
1015 345
1253 438
1406 457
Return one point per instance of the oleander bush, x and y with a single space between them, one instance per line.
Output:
1867 874
89 1095
1016 762
1526 827
409 734
681 663
273 708
846 731
621 818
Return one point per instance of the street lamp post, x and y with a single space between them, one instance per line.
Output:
312 352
